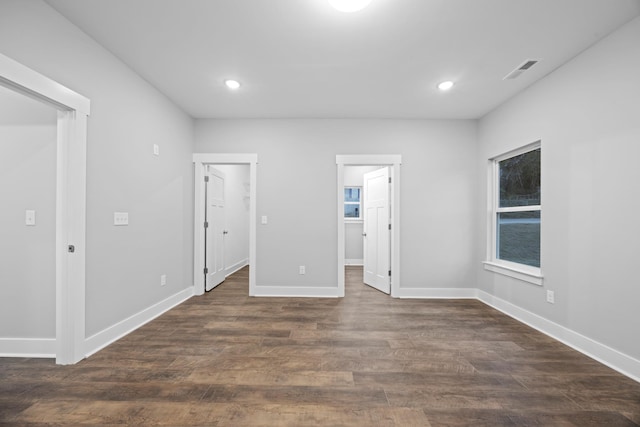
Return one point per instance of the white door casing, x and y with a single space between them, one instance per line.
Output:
73 110
377 238
215 230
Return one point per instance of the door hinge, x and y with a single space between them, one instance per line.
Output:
389 273
206 270
206 224
389 226
389 180
206 178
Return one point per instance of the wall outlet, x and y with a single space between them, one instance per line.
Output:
551 297
303 269
156 149
264 219
30 217
121 218
163 280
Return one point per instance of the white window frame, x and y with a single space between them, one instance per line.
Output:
360 218
519 271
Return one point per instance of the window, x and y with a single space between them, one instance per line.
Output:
352 207
516 212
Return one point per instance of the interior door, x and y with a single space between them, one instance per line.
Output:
214 229
377 236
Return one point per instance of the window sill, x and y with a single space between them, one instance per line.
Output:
353 221
527 274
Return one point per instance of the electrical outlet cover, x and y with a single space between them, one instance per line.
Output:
120 218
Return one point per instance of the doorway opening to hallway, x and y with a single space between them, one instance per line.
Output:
368 220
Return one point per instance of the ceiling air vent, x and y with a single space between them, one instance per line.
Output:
521 69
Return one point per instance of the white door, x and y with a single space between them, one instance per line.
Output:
377 236
214 229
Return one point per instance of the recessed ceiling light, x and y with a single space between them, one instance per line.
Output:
444 86
232 84
349 5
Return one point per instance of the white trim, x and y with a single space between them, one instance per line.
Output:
517 271
201 160
71 144
437 293
341 238
28 347
297 291
528 208
228 271
393 161
113 333
604 354
354 261
33 84
517 151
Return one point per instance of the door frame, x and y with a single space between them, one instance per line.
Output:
393 161
71 164
201 161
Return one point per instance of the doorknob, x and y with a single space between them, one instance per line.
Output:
225 232
364 234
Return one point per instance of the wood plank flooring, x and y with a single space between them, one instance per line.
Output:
225 359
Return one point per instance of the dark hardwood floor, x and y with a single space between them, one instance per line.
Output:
225 359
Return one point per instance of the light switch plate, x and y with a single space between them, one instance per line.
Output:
156 149
121 218
264 219
30 217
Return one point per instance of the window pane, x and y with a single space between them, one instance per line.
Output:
352 211
520 180
352 194
519 237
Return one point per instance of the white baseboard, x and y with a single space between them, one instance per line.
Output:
353 262
113 333
235 267
443 293
296 291
604 354
28 347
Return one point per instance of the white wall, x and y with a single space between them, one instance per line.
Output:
236 190
587 114
354 245
27 181
297 192
128 116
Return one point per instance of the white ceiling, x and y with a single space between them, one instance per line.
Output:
301 58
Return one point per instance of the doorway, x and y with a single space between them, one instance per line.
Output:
28 220
231 168
226 231
70 212
392 164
